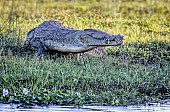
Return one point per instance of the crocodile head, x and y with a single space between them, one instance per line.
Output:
92 37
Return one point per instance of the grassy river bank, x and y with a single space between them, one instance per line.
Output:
136 72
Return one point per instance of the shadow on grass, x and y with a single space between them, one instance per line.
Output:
143 53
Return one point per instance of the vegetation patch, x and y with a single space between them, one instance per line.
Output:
136 72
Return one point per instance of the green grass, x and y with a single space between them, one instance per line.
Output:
136 72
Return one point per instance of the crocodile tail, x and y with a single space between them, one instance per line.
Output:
29 36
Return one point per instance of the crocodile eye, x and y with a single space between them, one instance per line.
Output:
107 41
113 39
105 38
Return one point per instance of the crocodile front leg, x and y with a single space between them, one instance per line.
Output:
36 43
41 51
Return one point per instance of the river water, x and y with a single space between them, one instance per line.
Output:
151 108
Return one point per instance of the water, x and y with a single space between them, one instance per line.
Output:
152 108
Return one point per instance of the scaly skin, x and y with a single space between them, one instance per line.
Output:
52 35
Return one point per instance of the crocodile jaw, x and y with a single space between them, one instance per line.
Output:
99 38
104 43
114 43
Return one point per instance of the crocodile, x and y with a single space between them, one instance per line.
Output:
54 36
